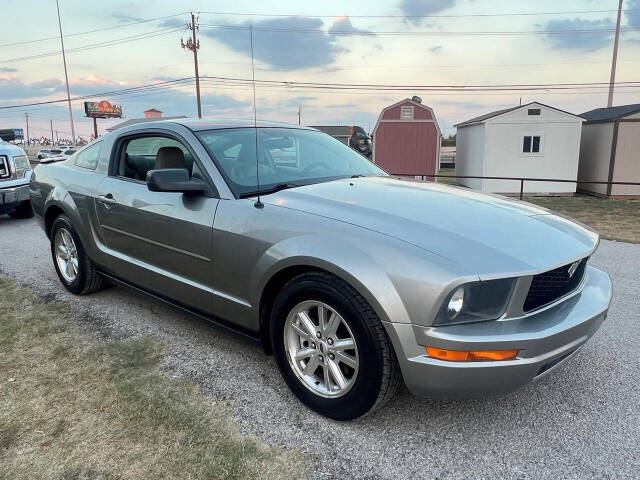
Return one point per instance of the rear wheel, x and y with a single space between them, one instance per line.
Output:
74 268
23 210
332 348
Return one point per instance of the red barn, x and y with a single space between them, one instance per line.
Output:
406 140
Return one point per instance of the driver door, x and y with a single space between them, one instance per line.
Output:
159 241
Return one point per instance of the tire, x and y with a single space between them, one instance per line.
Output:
23 210
372 374
86 279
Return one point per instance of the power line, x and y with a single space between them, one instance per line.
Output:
106 43
442 33
463 15
92 31
103 94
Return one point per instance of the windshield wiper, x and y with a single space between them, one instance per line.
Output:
358 175
268 190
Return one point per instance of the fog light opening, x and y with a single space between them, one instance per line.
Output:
471 355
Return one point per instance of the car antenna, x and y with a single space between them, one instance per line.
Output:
258 203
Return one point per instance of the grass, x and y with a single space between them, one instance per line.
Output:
615 219
447 181
74 408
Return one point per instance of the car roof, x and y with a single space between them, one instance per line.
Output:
196 124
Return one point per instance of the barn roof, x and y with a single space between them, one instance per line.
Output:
487 116
426 107
610 113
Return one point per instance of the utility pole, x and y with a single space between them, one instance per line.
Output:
299 114
615 57
193 44
51 124
66 76
26 116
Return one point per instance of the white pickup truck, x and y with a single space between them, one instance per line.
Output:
15 174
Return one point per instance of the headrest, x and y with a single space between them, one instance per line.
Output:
169 157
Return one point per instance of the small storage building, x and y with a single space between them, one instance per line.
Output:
406 139
533 140
610 150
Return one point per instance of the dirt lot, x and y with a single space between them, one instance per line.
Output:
581 422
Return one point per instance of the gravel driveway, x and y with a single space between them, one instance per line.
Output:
583 421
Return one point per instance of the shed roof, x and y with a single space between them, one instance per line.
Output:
610 113
487 116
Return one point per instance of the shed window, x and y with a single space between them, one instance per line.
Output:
531 144
406 112
534 111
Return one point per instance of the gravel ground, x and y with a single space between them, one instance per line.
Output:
583 421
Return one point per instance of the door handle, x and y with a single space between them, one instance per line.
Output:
107 199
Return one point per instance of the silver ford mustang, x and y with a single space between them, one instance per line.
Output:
350 277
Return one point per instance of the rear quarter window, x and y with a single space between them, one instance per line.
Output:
88 158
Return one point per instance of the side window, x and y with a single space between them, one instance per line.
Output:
531 144
139 155
88 158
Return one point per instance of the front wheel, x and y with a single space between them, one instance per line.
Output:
331 347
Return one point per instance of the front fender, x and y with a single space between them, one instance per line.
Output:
342 258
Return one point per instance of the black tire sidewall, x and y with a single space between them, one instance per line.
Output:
77 286
364 393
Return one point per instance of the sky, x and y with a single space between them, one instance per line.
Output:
427 47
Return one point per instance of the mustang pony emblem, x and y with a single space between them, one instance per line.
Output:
573 268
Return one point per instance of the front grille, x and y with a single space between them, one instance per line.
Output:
4 168
549 286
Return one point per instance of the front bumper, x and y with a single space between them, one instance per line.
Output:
11 197
544 340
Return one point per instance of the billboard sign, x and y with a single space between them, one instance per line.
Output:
102 109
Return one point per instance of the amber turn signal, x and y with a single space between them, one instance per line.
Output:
471 356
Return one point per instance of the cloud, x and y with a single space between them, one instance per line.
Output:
416 8
344 26
172 22
12 88
436 48
633 13
125 18
284 51
580 41
8 70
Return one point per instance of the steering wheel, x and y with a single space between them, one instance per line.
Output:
315 165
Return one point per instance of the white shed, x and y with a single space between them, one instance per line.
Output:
533 140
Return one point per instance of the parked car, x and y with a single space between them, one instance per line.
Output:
63 155
353 279
48 152
353 136
15 174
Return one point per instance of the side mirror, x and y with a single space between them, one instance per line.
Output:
174 180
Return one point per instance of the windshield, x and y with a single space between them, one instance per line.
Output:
287 157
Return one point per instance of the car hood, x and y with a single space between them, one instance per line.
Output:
488 235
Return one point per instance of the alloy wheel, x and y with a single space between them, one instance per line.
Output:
66 255
321 349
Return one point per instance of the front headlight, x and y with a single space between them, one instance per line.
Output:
21 165
476 302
